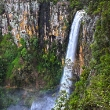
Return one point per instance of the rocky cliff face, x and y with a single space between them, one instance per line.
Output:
86 39
45 20
27 18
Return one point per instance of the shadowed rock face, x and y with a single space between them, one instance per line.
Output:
26 18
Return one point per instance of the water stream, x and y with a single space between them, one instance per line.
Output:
66 81
47 102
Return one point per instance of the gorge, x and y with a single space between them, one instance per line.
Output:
33 41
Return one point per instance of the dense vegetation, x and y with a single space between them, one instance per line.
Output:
25 65
30 65
92 91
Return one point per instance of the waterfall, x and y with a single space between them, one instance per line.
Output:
48 102
66 81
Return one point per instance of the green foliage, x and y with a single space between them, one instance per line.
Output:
20 66
5 101
75 4
78 4
2 9
24 52
49 65
61 102
92 91
22 42
2 70
75 99
98 95
101 44
9 28
7 54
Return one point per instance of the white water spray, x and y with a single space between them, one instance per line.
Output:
66 81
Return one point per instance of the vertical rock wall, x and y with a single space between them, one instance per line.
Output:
27 18
85 40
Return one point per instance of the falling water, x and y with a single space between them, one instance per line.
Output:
48 102
66 81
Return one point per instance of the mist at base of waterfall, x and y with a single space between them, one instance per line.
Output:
18 107
33 100
44 103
